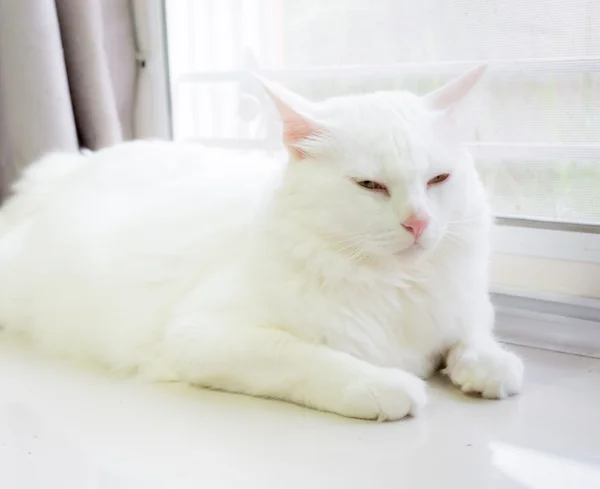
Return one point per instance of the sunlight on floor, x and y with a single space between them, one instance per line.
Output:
539 470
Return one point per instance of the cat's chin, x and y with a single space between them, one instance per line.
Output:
411 253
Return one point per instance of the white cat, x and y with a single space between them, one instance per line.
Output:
338 280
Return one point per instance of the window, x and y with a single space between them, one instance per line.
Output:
538 140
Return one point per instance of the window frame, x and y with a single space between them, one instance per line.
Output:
547 239
153 115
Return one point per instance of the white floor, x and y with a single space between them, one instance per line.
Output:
62 428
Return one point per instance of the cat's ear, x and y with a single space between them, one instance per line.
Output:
456 90
296 114
456 118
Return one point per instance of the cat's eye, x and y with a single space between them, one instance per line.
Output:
438 179
372 185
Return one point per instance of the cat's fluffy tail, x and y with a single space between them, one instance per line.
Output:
39 182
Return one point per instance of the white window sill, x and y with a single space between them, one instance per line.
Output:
548 324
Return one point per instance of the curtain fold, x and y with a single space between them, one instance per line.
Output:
68 76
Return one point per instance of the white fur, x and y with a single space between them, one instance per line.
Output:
285 281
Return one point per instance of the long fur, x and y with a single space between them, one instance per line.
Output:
284 280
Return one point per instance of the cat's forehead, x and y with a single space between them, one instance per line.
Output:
386 134
378 108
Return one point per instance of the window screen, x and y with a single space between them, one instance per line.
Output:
537 141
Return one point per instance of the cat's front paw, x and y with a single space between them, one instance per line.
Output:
388 395
490 371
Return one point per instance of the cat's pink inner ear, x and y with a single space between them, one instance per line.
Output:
296 126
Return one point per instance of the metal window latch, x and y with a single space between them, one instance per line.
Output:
141 58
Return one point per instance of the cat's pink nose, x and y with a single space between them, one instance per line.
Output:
415 225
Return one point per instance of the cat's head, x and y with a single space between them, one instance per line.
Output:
383 173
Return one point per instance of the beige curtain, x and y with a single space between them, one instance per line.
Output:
68 76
